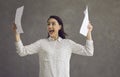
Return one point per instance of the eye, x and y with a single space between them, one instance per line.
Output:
53 24
48 24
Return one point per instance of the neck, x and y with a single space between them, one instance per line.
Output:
55 37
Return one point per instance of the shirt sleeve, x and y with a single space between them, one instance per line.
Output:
86 50
28 49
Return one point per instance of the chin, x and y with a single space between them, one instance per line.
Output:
51 35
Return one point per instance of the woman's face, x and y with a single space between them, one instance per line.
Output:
53 27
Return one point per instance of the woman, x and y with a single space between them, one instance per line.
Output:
55 51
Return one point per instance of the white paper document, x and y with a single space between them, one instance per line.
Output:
84 26
18 16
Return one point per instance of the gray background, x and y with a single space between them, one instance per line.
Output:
104 15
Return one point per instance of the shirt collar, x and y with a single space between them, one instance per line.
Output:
51 39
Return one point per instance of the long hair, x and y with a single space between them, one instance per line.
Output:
61 32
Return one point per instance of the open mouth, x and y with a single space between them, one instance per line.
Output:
51 31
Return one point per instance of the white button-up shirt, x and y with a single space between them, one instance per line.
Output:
54 55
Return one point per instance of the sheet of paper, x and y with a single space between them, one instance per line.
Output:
84 26
18 16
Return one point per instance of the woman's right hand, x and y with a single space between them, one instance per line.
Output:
17 35
14 28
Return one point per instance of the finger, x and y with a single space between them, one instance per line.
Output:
14 26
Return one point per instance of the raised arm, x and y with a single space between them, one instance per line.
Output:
27 49
88 48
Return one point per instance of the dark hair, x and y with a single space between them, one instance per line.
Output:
61 32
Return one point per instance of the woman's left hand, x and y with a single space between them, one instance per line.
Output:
90 27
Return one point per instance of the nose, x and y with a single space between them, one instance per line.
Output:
50 26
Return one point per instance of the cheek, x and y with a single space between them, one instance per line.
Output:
57 28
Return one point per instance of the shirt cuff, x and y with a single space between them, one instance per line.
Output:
19 43
89 42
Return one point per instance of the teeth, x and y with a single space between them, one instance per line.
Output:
51 31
